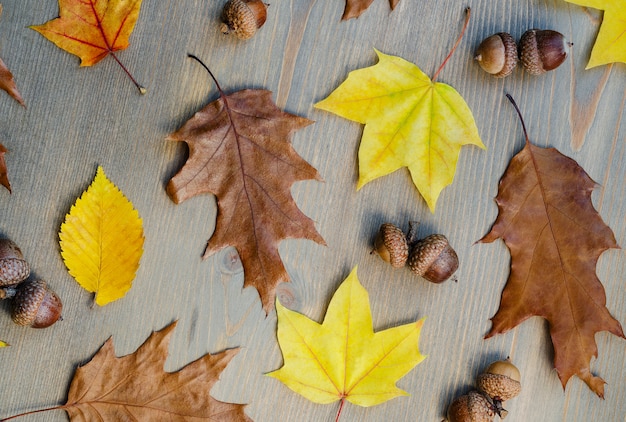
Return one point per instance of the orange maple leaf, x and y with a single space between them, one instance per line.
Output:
547 220
136 388
93 29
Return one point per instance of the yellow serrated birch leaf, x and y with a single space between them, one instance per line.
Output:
102 240
343 358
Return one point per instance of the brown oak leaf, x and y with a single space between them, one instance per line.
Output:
4 175
240 151
354 8
135 387
555 236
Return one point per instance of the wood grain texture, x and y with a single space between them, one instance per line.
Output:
78 118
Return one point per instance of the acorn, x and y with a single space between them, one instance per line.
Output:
471 407
433 258
497 54
243 17
500 381
542 50
13 267
391 245
36 305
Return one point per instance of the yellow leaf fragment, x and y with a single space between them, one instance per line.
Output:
102 240
3 344
610 45
343 358
409 122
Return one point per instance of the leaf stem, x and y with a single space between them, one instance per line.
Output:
519 113
32 412
341 403
219 88
141 89
456 44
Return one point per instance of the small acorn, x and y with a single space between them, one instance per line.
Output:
243 17
433 258
36 305
500 381
471 407
391 245
542 50
13 267
497 54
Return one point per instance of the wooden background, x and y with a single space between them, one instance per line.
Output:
78 118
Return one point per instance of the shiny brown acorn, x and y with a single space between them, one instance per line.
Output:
433 258
500 381
13 267
36 305
243 17
542 50
391 245
497 54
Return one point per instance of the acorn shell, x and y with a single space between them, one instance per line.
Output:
497 54
36 305
243 17
471 407
500 381
542 50
13 267
433 258
391 245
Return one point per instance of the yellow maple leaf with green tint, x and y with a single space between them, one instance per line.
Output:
610 45
342 358
410 121
102 240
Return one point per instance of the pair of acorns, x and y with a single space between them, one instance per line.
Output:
499 382
431 257
33 302
540 50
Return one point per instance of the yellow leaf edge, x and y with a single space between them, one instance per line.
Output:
415 327
3 344
99 179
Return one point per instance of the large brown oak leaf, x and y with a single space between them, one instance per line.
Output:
354 8
240 151
136 388
555 236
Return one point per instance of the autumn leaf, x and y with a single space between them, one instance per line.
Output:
410 121
7 82
555 236
4 175
240 151
135 387
610 45
93 29
354 8
102 240
342 358
3 344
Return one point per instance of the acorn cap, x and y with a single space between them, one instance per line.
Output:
542 50
500 381
391 245
497 54
243 17
36 305
433 258
471 407
13 267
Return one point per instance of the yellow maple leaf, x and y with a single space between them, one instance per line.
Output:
93 29
3 344
343 358
610 45
102 240
410 121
